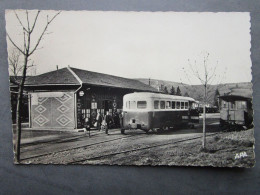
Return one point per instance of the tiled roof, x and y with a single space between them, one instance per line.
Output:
100 79
61 76
64 76
15 80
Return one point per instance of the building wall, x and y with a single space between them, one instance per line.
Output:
100 99
52 109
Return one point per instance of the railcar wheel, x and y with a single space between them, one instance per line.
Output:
165 128
146 131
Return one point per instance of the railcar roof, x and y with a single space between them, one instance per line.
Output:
156 95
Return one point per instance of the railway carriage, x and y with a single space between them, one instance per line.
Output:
149 111
236 110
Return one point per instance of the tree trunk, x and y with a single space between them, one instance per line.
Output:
204 127
18 113
204 117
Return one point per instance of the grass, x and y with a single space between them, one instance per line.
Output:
221 151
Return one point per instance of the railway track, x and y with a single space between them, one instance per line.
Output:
81 146
59 140
137 149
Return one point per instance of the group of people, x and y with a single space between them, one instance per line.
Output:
104 122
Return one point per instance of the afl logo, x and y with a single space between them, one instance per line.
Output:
114 105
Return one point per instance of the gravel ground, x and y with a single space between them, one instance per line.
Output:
175 147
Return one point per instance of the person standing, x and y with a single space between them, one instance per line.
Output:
121 118
87 125
108 121
99 120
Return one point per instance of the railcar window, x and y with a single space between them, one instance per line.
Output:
232 105
243 105
182 105
168 105
141 104
162 104
186 105
240 104
224 104
178 105
173 105
132 104
156 104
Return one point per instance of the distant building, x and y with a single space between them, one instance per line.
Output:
64 98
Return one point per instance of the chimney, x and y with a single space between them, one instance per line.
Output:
57 67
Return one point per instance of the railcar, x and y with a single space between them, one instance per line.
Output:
154 111
236 110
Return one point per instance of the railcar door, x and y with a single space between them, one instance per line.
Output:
193 113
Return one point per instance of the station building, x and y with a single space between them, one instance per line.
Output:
65 97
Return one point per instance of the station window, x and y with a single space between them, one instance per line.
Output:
182 105
186 105
141 104
168 105
102 112
83 111
173 105
88 113
162 104
178 105
156 104
93 105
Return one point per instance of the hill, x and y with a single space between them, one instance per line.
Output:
196 91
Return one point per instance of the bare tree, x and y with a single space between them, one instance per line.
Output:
26 51
206 76
15 67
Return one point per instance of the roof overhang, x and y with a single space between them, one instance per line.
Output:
234 98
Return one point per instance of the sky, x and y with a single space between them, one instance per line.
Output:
156 45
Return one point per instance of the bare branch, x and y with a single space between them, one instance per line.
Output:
13 60
14 44
24 41
35 20
20 21
43 32
28 22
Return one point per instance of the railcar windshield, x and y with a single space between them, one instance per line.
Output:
131 105
141 104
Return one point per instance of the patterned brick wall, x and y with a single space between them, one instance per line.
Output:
52 109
